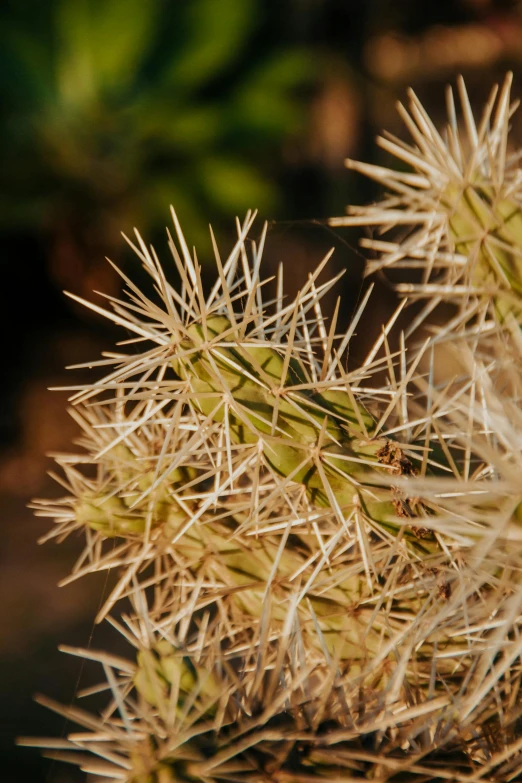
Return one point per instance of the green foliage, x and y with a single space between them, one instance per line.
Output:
114 107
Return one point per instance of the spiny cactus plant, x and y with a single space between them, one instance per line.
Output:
323 567
459 201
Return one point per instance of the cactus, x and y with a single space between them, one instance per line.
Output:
324 568
460 206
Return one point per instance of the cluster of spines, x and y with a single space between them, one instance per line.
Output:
456 211
360 597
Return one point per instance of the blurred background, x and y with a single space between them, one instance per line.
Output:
110 111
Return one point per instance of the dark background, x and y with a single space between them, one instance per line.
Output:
110 110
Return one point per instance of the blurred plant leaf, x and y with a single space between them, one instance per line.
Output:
122 35
113 104
215 33
189 127
261 106
75 77
238 185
